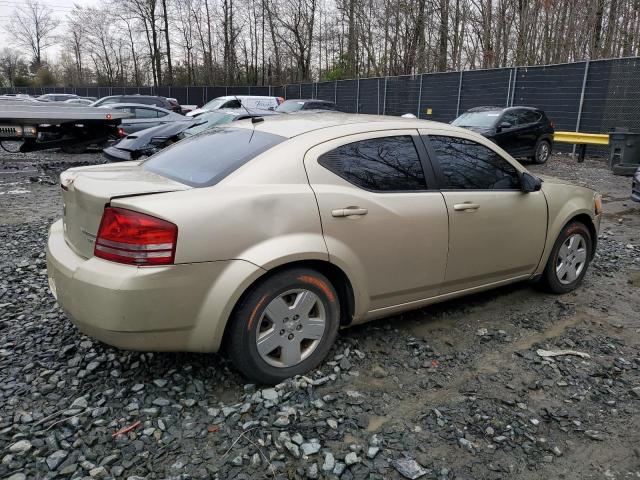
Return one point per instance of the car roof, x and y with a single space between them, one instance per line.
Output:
133 95
290 126
231 97
305 100
131 104
502 109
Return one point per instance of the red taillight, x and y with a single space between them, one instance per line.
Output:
553 124
121 132
280 100
135 238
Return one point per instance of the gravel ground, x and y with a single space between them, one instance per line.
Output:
453 391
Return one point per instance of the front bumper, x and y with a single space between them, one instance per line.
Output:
635 187
180 307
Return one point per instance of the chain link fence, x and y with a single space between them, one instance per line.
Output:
589 96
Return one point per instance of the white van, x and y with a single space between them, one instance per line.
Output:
251 102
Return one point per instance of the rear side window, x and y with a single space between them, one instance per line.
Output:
467 165
145 113
387 164
205 159
529 116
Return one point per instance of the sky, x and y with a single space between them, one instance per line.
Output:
59 7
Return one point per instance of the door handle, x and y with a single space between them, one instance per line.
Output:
349 211
460 207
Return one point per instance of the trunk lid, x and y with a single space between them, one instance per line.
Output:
86 191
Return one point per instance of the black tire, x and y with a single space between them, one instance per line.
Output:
74 149
249 317
550 278
541 152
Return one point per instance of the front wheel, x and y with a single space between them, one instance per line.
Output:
569 259
284 326
542 152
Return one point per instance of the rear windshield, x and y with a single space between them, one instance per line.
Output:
205 159
290 107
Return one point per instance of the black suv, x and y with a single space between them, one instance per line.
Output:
521 131
163 102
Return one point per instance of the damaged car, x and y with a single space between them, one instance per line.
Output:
263 238
151 140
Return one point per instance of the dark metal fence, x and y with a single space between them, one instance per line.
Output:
590 96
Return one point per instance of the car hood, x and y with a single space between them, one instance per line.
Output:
142 138
548 182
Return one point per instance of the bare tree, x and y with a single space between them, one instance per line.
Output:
33 26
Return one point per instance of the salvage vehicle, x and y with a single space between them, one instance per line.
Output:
56 97
264 237
635 186
147 142
252 102
144 116
290 106
41 125
162 102
521 131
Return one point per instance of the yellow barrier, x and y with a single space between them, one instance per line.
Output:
581 138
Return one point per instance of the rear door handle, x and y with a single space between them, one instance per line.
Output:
349 211
460 207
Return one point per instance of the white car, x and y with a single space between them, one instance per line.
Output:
251 102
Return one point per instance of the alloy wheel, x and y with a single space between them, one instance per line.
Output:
542 155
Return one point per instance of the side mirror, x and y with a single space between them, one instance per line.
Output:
530 183
504 126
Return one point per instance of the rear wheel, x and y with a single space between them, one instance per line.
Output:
542 152
284 326
569 259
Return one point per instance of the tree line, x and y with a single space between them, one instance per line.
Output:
272 42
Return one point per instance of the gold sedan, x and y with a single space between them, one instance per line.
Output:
266 237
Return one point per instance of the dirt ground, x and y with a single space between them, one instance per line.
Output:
458 387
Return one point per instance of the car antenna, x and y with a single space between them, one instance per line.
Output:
254 120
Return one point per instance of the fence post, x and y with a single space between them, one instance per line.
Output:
335 91
509 88
513 88
358 95
420 95
378 96
300 90
584 85
384 97
459 92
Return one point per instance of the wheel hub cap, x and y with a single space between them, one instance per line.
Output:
571 260
291 328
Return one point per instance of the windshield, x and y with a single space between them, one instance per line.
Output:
477 119
290 107
203 160
207 121
214 104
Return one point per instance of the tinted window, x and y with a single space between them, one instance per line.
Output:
382 164
108 101
466 164
232 104
510 117
319 106
529 116
203 160
145 113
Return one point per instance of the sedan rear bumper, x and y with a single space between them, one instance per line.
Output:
168 308
114 154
